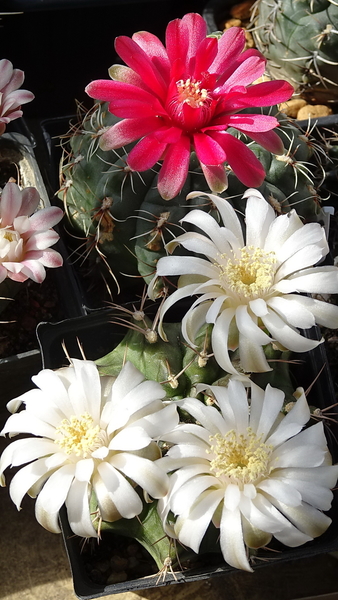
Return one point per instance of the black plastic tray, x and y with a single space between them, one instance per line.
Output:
97 335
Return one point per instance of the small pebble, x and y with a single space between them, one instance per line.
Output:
118 563
117 577
132 549
292 107
133 562
313 111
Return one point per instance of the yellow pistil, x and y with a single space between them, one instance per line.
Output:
78 435
244 458
189 92
251 275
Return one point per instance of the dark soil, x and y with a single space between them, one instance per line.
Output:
32 304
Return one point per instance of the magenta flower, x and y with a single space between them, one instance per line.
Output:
184 96
25 238
11 98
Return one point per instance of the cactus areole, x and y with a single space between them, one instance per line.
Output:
184 96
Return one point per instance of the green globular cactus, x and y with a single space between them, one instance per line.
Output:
172 363
299 38
124 224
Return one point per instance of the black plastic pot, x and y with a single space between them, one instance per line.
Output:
97 335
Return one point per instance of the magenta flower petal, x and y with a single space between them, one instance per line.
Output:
127 131
267 93
216 177
183 96
175 169
139 61
183 37
269 140
205 55
250 123
152 46
146 153
241 159
209 152
230 46
251 66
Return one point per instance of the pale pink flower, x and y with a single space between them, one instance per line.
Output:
25 238
184 96
11 98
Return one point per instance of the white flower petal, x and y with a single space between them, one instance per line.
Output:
84 469
208 416
308 235
219 340
78 511
287 336
280 230
292 311
53 387
319 280
55 490
252 357
24 451
49 520
297 417
259 216
249 328
186 265
144 472
194 318
270 409
232 543
190 528
239 404
232 496
306 257
85 392
24 479
23 422
126 500
305 518
130 438
281 490
186 495
197 243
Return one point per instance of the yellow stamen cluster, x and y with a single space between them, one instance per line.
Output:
189 92
78 435
251 275
244 458
9 235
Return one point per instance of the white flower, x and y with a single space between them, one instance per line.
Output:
248 287
248 469
91 433
26 235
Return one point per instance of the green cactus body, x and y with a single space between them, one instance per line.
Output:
124 223
299 38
